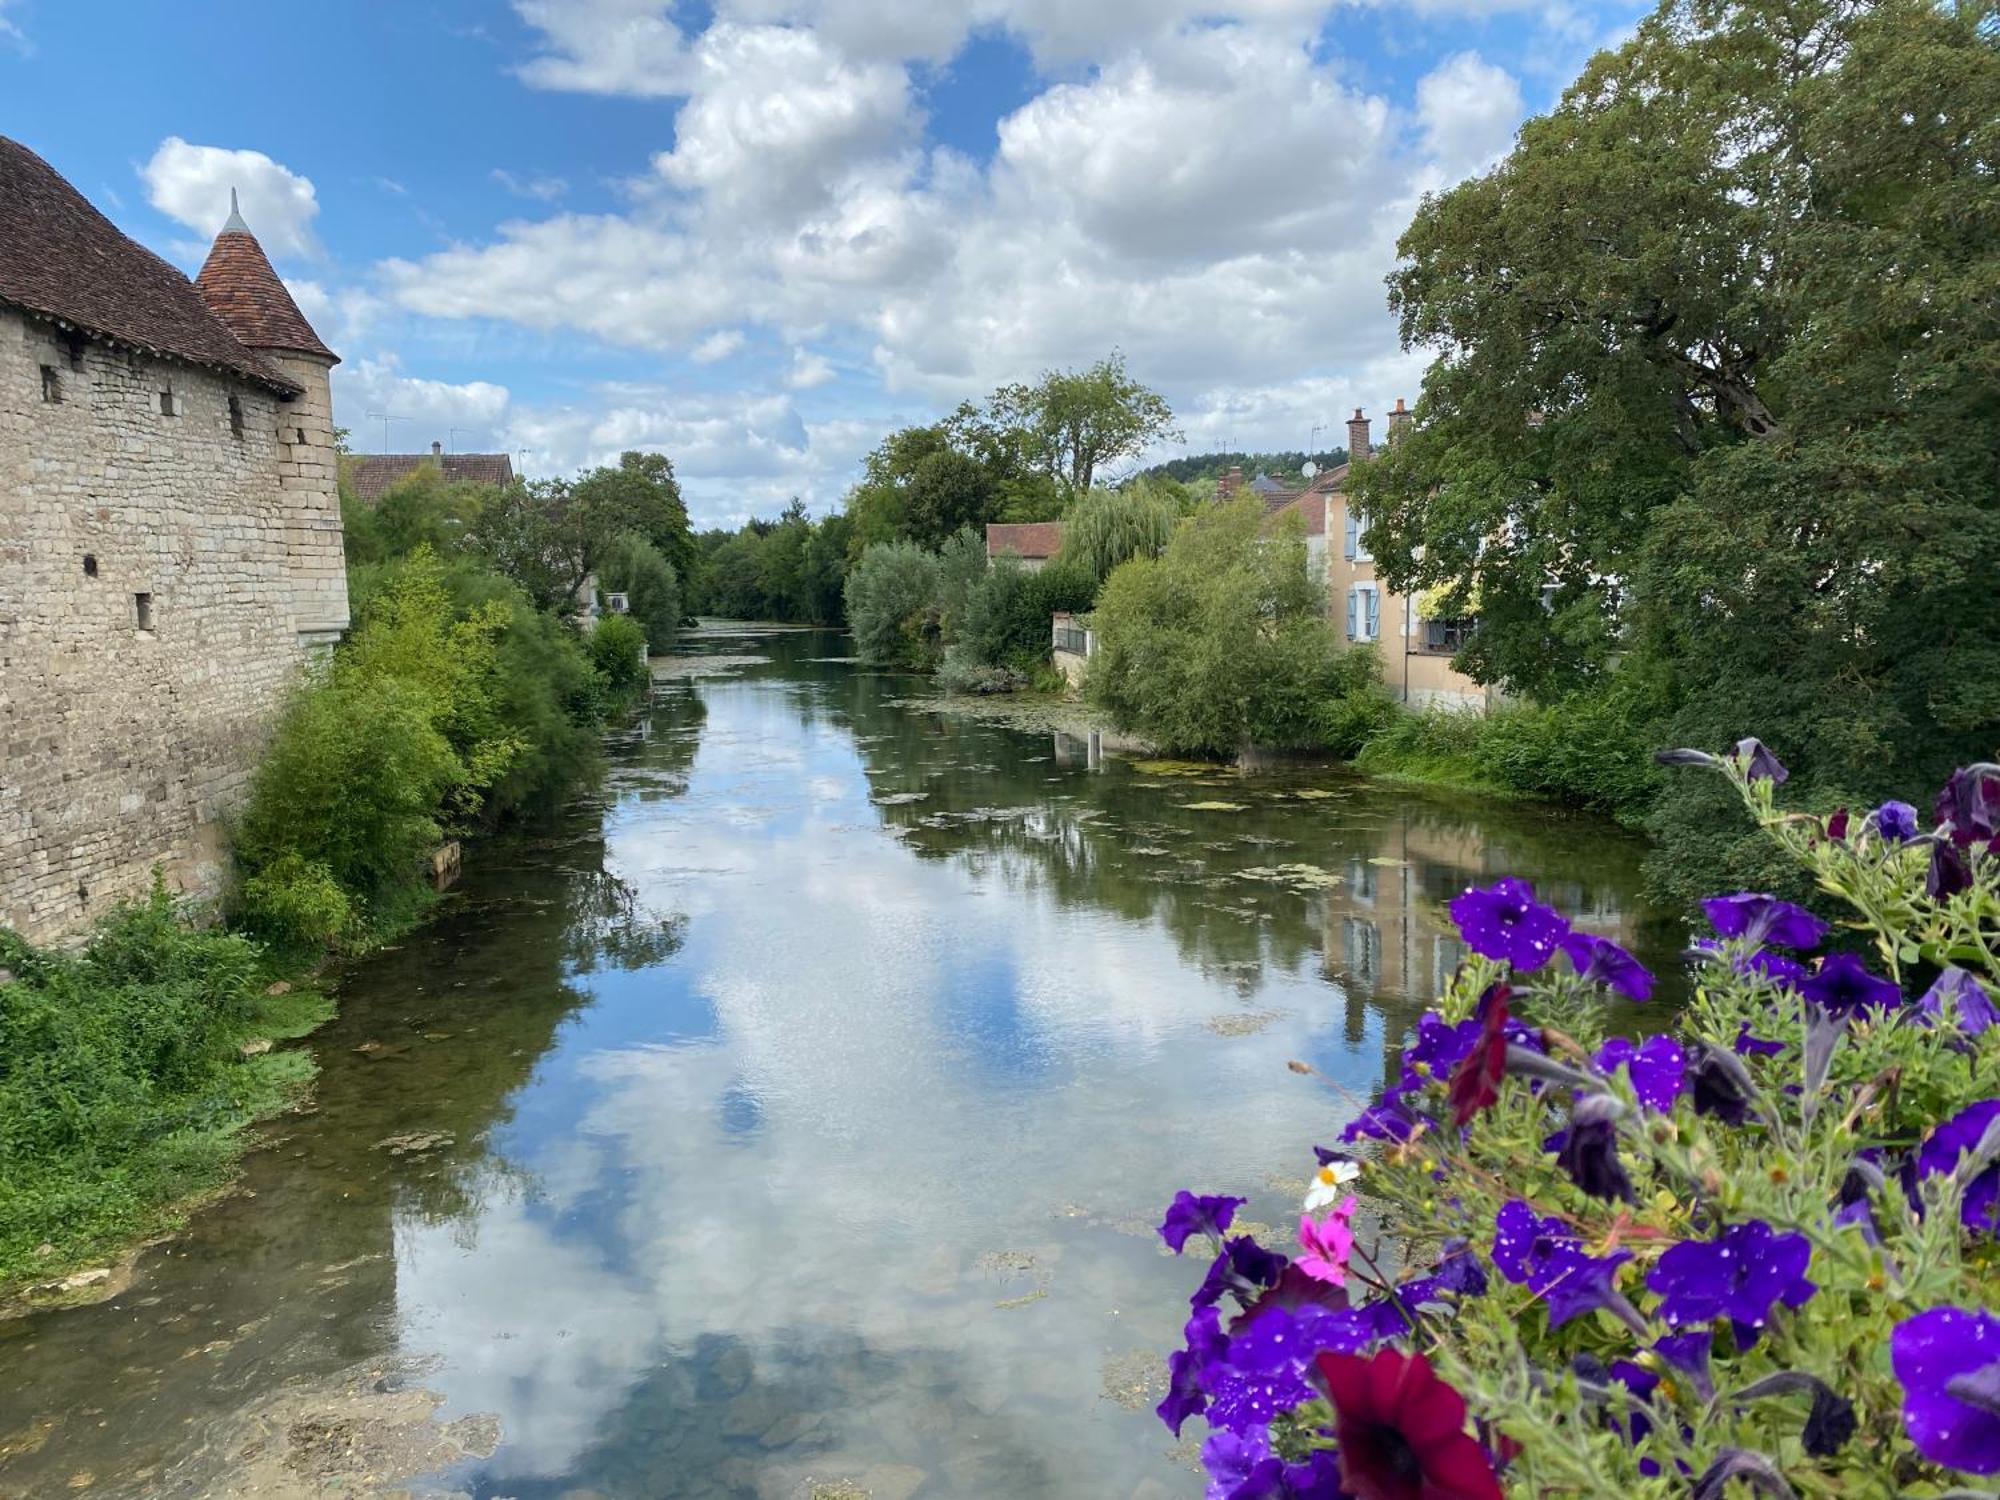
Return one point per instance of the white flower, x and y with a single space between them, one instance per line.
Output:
1328 1182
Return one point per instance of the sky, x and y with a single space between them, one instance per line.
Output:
758 235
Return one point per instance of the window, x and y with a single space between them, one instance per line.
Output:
1363 943
167 401
1361 881
142 611
1364 612
89 565
1352 547
51 384
1447 635
236 418
73 346
299 436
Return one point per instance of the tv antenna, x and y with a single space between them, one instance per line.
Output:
1312 443
451 437
385 418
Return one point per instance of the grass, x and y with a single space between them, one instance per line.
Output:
128 1082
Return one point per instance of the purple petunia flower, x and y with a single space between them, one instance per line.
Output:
1969 805
1506 922
1589 1152
1189 1215
1261 1373
1948 1361
1748 1044
1740 1275
1186 1396
1440 1046
1244 1269
1970 1002
1948 875
1896 821
1760 919
1963 1133
1390 1120
1549 1259
1759 763
1230 1457
1719 1084
1658 1068
1842 986
1600 961
1317 1477
1688 1353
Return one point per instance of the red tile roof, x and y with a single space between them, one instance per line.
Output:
1027 539
64 262
1309 505
368 475
238 282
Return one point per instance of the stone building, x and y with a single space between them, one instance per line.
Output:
170 547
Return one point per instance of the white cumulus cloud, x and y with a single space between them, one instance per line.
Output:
191 185
1469 110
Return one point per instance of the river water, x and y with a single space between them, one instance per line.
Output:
789 1120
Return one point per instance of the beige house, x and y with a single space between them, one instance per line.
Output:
1416 652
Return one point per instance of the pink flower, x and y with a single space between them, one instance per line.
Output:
1328 1243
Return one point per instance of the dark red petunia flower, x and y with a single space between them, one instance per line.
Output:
1475 1083
1400 1431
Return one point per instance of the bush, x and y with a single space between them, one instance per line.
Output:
299 901
618 652
1357 707
122 1089
1760 1249
1221 642
892 605
961 672
634 567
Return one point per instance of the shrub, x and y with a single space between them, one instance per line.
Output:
1220 642
1357 706
1761 1248
961 672
298 901
892 605
618 652
122 1089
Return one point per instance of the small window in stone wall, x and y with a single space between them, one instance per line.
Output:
51 384
89 565
167 401
236 418
299 436
73 346
142 611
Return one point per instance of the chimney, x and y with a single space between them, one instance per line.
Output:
437 449
1231 482
1358 446
1398 420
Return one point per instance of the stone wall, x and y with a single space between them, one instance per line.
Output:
162 578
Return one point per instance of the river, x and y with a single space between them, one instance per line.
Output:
789 1120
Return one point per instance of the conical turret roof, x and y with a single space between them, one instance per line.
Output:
239 284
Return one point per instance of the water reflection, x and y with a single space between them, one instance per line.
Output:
802 1107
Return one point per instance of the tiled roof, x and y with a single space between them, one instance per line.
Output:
370 474
62 260
246 294
1310 505
1028 539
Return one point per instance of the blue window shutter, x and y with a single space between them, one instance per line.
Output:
1353 612
1352 531
1374 615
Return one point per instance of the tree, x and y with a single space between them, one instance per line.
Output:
1074 422
1222 641
639 495
892 604
1108 527
632 566
1716 387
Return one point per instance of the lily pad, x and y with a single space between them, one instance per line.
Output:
1213 806
1174 767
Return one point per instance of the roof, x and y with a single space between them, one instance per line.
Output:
1027 539
368 475
1264 484
64 262
1309 506
245 292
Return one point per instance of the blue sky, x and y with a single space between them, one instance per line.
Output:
758 234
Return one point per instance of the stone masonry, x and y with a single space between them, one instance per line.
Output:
170 556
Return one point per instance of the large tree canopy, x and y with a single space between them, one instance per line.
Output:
1074 422
1718 385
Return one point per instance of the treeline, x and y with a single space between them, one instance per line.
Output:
1204 470
462 696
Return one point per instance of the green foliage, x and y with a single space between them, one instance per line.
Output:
1717 357
634 567
962 568
122 1087
549 535
1108 527
299 900
892 605
962 672
1203 470
1357 707
1072 423
792 569
618 651
1219 643
422 509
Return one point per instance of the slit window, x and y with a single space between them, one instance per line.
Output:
51 384
142 611
90 565
299 436
236 418
73 346
167 401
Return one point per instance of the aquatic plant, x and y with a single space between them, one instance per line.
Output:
1760 1249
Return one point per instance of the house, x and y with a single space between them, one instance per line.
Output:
170 546
368 474
1416 651
1035 542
